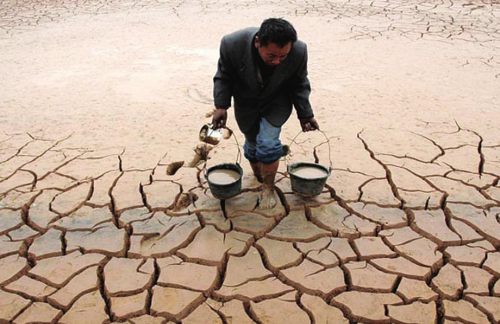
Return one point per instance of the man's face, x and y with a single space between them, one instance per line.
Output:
272 54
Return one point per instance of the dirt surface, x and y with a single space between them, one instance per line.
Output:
105 214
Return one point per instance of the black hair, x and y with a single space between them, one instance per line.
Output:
277 31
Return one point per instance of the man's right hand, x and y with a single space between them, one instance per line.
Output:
219 119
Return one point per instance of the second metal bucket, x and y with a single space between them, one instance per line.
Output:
309 186
305 186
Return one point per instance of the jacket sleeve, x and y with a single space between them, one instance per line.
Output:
301 89
223 79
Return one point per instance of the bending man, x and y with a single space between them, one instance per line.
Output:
265 71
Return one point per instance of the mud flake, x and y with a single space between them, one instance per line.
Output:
38 313
372 248
11 305
102 185
242 269
89 309
342 248
161 194
315 278
9 167
417 312
135 214
16 199
156 223
337 219
434 224
107 240
484 222
30 287
81 284
278 253
493 192
202 314
326 258
7 247
456 156
190 275
219 244
170 235
487 304
466 232
366 277
39 212
85 168
49 161
232 310
387 217
366 306
379 191
84 218
147 319
11 266
256 289
403 267
252 223
275 310
413 290
22 233
129 306
221 223
448 282
477 280
173 301
19 179
139 276
126 192
68 201
399 236
58 270
10 220
346 183
186 177
322 312
471 254
54 181
463 311
47 245
459 192
421 251
493 263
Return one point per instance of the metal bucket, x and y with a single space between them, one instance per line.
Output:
307 187
225 191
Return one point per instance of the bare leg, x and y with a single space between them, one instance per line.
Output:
267 198
257 170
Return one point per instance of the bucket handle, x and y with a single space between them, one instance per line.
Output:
330 168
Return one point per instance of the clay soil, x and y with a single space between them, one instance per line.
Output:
105 213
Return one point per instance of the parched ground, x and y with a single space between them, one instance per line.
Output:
105 214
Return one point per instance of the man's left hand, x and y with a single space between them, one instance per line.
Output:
309 124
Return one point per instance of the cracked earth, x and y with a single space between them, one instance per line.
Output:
105 213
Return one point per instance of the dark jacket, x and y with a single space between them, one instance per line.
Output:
237 77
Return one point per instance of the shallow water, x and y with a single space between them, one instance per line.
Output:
223 177
309 172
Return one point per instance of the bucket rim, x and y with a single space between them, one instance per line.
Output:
295 165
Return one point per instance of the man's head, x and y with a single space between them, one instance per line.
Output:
274 40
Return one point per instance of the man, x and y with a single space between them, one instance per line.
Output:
265 71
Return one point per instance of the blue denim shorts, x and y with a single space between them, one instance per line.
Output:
262 143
